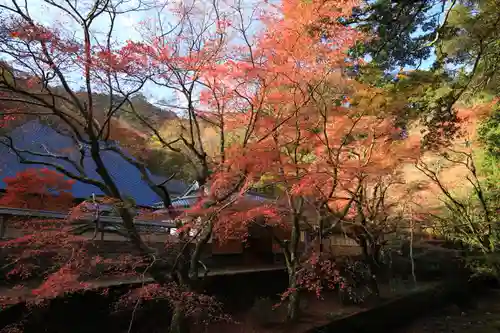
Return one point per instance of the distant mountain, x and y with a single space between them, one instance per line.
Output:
143 108
101 102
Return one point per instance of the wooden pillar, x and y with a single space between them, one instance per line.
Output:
3 226
100 227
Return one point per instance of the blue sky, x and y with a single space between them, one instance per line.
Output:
126 28
436 9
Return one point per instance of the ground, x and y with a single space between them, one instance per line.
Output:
315 313
483 316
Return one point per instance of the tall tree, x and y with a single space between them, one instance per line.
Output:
461 35
401 32
36 82
318 131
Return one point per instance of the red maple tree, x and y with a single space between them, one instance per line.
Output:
277 98
318 143
35 84
40 189
296 67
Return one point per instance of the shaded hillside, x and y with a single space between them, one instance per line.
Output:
25 97
151 113
453 176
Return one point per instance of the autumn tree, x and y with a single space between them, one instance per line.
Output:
221 86
352 179
307 153
36 84
41 57
38 189
27 253
374 216
274 95
468 213
329 143
198 57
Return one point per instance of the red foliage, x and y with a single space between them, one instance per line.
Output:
53 38
47 252
234 223
50 261
5 120
282 99
41 189
318 273
199 307
307 136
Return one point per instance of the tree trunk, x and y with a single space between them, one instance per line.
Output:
194 263
374 284
412 260
292 265
178 324
133 234
293 298
375 266
371 254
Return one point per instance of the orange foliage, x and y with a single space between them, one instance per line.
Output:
130 139
286 100
294 101
470 117
309 135
42 189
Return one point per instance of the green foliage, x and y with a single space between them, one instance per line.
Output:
395 25
6 75
425 97
489 135
469 42
488 159
464 219
141 109
475 226
489 168
167 162
472 219
465 37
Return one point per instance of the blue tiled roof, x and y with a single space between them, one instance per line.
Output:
185 202
189 200
36 137
256 197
